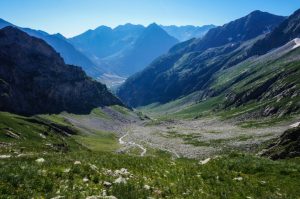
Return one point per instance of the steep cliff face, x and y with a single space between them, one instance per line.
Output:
34 79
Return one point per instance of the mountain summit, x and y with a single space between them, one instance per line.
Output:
245 28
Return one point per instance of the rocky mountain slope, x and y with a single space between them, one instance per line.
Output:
35 79
284 33
70 54
191 66
285 146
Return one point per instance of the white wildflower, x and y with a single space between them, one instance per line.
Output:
77 162
204 161
238 178
120 180
67 170
4 156
147 187
93 167
263 182
40 160
85 179
124 171
105 183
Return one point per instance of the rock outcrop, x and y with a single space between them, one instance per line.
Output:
286 146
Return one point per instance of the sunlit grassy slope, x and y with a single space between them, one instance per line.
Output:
267 86
233 176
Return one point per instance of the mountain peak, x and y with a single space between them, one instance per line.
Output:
103 28
58 35
260 14
154 28
129 27
256 12
4 23
153 25
242 29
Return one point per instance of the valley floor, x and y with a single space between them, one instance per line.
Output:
156 158
197 138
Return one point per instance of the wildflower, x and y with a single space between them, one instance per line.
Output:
204 161
67 170
40 160
93 167
4 156
85 179
238 178
263 182
77 162
120 180
124 171
106 183
147 187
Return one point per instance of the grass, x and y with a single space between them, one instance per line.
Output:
157 176
266 122
232 175
99 113
100 141
34 134
167 178
121 109
195 139
201 109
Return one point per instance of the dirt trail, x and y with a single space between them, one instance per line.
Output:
122 142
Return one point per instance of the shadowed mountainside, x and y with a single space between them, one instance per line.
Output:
34 79
191 65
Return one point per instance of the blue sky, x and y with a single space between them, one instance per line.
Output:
71 17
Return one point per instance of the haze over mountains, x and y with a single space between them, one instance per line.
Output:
125 49
193 65
184 33
129 48
107 54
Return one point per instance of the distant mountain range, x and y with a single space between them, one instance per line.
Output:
184 33
122 51
34 79
196 65
129 48
125 49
